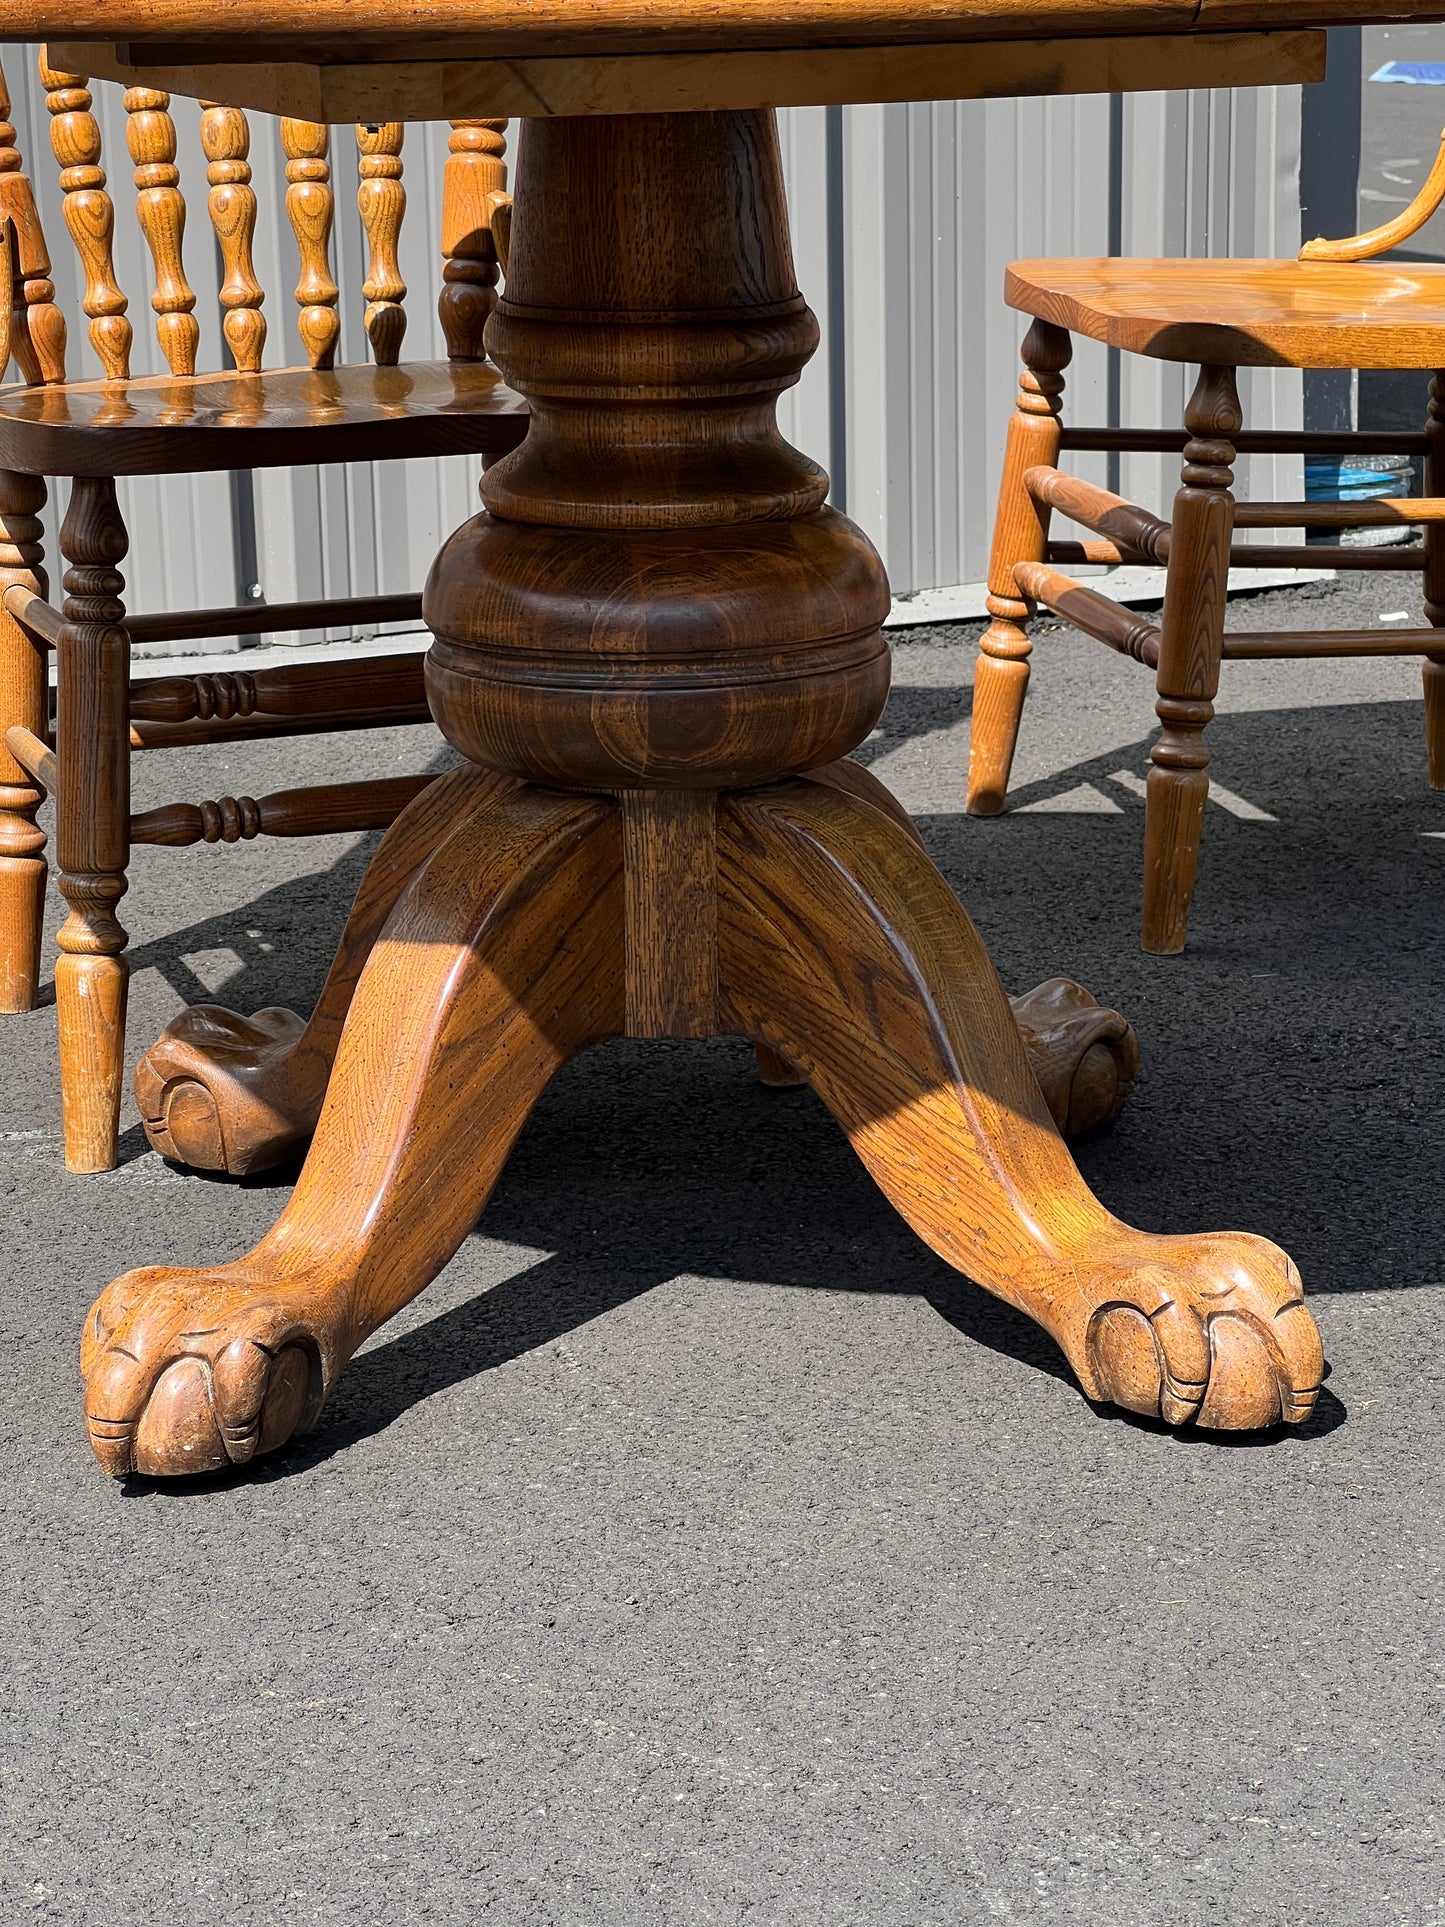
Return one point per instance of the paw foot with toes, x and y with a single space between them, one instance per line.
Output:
188 1372
222 1092
1211 1332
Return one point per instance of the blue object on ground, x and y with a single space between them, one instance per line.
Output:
1328 480
1415 73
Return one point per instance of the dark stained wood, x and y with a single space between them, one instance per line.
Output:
165 425
23 703
324 811
669 843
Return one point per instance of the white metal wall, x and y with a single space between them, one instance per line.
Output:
903 218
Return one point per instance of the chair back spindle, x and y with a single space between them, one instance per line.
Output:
475 170
381 202
226 143
37 330
89 215
160 207
310 209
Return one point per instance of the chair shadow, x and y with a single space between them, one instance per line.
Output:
1290 1059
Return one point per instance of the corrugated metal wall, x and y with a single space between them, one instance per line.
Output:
903 219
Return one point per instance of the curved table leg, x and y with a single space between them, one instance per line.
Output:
1085 1057
854 961
503 958
223 1092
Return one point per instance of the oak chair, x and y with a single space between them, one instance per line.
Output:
1328 309
89 432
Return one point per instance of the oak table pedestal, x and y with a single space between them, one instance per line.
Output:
656 648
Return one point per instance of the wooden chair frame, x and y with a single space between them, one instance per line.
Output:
1197 548
102 715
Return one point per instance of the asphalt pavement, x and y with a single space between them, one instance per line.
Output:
699 1548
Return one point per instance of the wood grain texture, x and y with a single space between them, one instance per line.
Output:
89 216
226 1092
311 210
849 957
421 80
475 172
381 203
231 203
37 339
502 959
23 704
669 841
1241 313
92 822
325 810
161 210
1191 634
1020 534
168 424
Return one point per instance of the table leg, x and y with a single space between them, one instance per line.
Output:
660 615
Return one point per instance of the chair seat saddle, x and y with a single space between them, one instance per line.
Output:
1244 314
276 419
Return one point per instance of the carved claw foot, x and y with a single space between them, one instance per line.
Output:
850 958
1210 1331
1085 1057
229 1093
187 1372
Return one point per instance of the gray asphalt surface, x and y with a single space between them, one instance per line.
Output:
699 1548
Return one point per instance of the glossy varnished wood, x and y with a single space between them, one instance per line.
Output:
1237 313
414 82
285 416
657 618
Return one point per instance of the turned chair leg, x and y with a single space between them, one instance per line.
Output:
1191 641
1435 584
22 702
92 824
1020 534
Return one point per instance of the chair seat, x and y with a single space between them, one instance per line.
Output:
284 417
1260 314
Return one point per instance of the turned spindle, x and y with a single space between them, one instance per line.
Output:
92 823
1191 639
37 337
381 202
1021 534
475 170
231 203
22 702
89 215
310 209
160 207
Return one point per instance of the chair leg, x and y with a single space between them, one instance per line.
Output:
1191 640
22 702
1435 584
92 826
1020 534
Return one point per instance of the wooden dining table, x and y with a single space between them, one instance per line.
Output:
656 647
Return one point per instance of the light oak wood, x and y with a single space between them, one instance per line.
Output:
474 174
1237 313
23 704
38 334
422 81
1334 307
161 209
310 208
231 203
381 203
89 215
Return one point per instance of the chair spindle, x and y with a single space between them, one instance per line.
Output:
89 215
226 142
475 170
37 334
381 201
310 209
160 207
